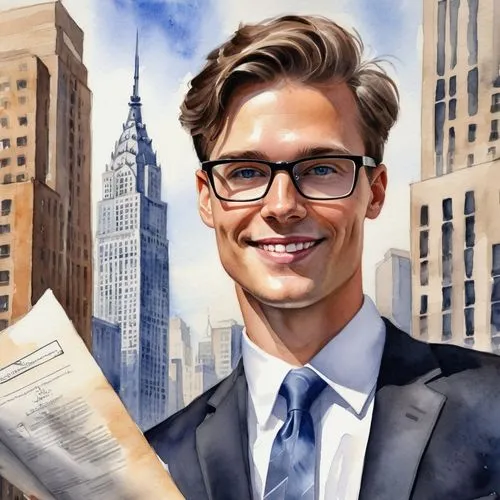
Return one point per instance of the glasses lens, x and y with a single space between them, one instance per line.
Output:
325 177
241 181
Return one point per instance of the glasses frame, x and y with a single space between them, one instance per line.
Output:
288 166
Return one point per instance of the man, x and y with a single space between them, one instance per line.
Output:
330 400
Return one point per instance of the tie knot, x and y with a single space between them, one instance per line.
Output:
300 388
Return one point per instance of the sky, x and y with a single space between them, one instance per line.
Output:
175 36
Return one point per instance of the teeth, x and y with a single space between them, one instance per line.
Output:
290 248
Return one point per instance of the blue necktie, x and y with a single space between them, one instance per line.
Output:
293 455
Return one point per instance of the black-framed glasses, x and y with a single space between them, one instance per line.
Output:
328 177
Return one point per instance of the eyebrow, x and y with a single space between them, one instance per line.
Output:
304 152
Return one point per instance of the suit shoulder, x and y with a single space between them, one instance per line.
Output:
453 359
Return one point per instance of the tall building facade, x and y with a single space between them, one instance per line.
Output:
106 348
131 273
45 218
45 157
455 236
181 362
226 346
393 288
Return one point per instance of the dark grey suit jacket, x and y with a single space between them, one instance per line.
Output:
435 433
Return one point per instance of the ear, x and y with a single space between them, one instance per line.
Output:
378 186
204 199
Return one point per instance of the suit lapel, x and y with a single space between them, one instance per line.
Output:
222 441
405 413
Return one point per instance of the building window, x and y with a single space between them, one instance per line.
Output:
4 303
472 132
472 31
3 324
447 251
22 100
472 89
4 86
441 42
21 84
20 178
494 130
495 260
4 277
495 291
495 103
4 251
21 160
423 304
451 148
470 235
453 85
470 160
4 122
468 261
7 179
4 228
447 209
424 273
22 141
492 151
6 207
23 121
447 294
423 325
440 90
469 293
424 243
424 215
4 144
470 203
4 162
452 109
454 5
439 117
446 335
469 321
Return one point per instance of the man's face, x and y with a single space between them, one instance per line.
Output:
281 122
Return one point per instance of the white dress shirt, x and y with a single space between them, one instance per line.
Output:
342 413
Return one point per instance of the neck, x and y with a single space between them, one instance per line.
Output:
296 335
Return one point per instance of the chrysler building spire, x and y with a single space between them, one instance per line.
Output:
134 98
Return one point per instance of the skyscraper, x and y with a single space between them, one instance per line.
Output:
226 346
393 288
131 274
45 226
455 235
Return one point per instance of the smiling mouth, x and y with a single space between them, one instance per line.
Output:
288 248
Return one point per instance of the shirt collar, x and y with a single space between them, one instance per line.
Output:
349 363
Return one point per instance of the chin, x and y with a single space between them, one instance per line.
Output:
286 295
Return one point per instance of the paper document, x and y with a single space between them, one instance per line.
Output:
64 433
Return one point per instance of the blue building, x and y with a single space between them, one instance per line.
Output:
106 348
131 266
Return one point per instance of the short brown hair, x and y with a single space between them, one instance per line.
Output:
308 49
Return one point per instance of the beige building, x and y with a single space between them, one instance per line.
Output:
45 218
455 237
226 346
180 365
393 287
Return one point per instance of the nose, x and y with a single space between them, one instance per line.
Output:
283 202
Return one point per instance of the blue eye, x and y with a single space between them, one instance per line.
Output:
247 173
321 170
